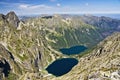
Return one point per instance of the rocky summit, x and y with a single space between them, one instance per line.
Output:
11 18
28 47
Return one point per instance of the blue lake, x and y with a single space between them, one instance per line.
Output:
73 50
61 66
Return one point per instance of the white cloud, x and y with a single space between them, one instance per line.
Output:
23 6
28 7
58 4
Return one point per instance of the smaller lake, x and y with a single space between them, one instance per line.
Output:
61 66
73 50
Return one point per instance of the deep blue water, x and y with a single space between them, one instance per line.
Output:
73 50
6 68
61 66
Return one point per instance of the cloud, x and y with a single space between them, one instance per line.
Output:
23 6
29 7
58 4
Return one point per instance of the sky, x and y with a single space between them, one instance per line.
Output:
35 7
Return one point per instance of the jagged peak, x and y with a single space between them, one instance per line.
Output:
12 18
11 13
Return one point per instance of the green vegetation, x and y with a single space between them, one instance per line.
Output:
12 76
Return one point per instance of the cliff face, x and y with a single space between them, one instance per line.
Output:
30 46
103 63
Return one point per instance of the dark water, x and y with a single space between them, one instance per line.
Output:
73 50
61 66
5 67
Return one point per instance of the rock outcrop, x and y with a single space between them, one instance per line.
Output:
11 18
3 20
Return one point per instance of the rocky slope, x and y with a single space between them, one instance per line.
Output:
28 47
103 63
8 64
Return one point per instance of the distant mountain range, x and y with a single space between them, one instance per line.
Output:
113 16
